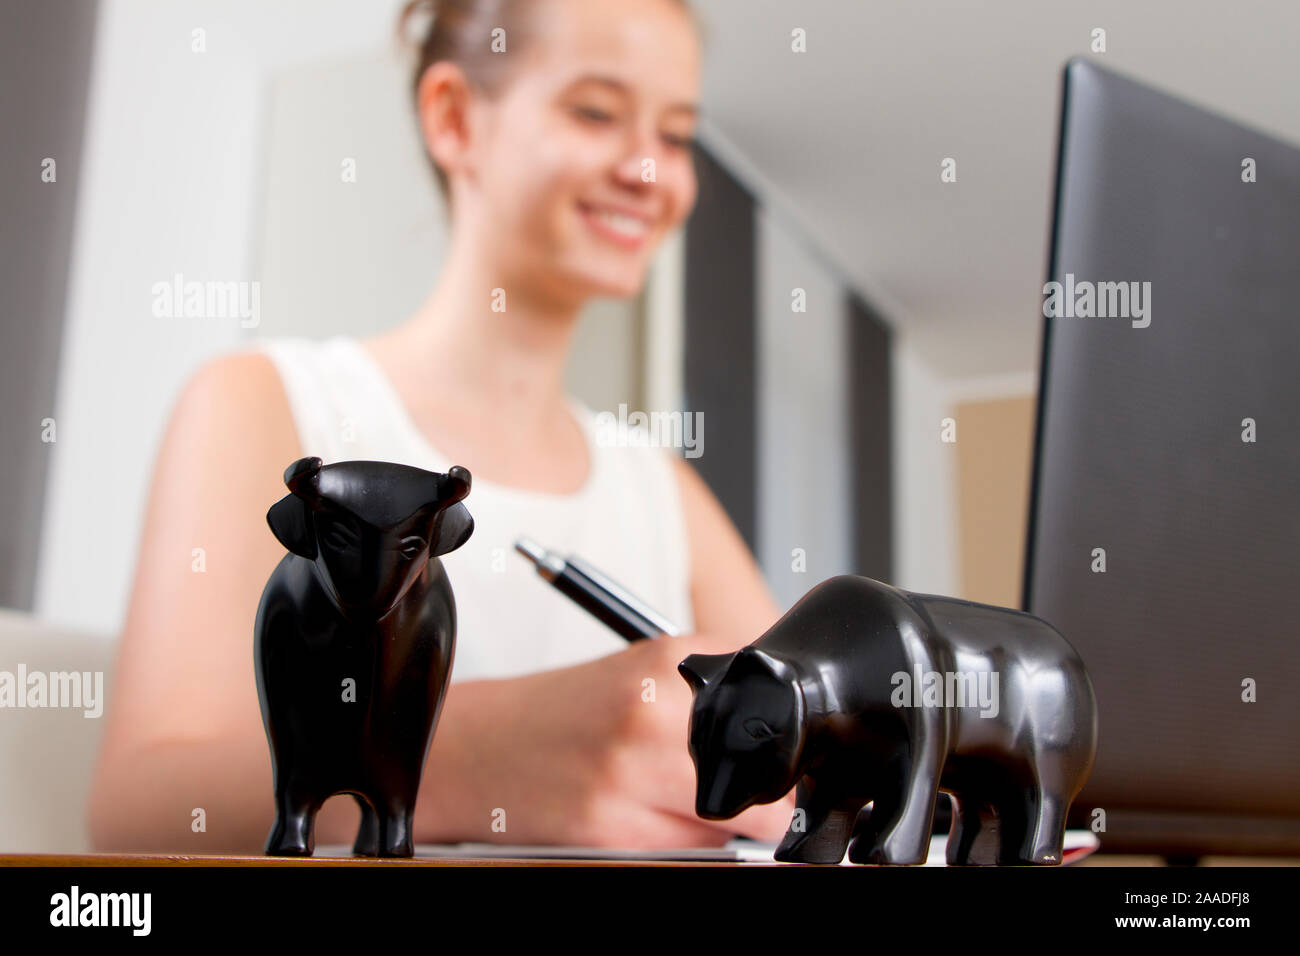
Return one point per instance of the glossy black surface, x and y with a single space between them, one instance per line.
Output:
1008 727
354 643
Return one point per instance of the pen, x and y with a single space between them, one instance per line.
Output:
612 604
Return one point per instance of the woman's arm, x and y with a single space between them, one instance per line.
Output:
728 594
183 728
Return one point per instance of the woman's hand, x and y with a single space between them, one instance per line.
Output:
592 755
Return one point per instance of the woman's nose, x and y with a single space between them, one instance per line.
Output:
639 165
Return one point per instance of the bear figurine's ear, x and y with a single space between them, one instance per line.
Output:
753 660
701 670
454 528
290 521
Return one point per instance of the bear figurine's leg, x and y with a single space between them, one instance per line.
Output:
1048 832
1033 824
822 825
367 842
898 829
292 834
973 839
1017 810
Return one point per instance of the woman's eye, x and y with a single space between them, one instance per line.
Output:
593 114
679 142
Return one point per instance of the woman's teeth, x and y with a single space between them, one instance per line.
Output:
627 226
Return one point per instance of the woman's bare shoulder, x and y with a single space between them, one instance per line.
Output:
236 379
242 387
231 412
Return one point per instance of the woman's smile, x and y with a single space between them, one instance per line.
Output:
625 227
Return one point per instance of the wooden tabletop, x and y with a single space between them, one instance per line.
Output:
185 859
189 859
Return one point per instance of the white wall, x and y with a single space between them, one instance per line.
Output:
169 169
925 507
336 256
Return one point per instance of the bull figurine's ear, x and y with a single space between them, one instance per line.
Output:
455 485
290 517
298 475
701 670
290 521
455 524
454 528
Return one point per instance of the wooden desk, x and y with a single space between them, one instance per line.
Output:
184 859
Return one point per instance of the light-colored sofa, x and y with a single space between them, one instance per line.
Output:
47 754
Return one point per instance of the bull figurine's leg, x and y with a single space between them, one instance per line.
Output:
367 842
395 814
396 828
295 814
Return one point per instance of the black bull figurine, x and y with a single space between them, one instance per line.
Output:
863 693
354 643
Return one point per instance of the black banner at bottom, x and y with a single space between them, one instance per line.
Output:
565 903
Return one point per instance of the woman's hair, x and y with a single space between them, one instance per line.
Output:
461 31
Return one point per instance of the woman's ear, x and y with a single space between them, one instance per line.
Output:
454 528
443 100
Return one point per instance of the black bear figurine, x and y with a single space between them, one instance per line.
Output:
354 643
863 692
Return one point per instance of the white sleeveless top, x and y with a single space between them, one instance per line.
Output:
626 520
